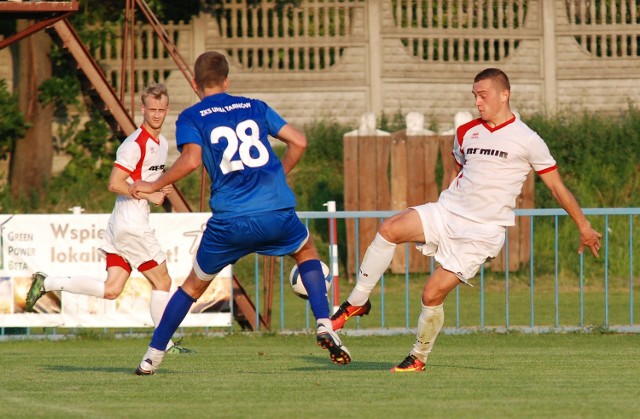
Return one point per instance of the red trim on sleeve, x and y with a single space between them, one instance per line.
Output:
548 169
122 167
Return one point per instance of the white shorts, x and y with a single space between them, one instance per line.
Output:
458 244
130 236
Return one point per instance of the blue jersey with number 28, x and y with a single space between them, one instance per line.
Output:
246 175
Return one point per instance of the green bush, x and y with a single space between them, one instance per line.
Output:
12 123
597 156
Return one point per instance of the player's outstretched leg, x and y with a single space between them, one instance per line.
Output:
329 340
36 290
150 362
347 311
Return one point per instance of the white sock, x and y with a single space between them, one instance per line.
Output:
325 322
84 285
429 324
151 360
376 260
157 304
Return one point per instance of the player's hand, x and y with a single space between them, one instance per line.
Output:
156 198
140 186
591 239
166 190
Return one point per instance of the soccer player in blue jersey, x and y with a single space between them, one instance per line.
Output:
253 207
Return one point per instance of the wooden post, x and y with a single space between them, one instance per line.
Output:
431 155
446 147
350 152
413 174
368 177
366 185
400 187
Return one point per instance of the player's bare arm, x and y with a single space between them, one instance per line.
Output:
296 145
118 184
190 159
588 236
454 171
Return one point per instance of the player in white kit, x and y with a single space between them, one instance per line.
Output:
129 241
466 226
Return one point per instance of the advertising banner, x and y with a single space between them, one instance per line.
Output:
67 245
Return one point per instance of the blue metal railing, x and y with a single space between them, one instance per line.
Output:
600 217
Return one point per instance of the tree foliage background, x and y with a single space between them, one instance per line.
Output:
596 153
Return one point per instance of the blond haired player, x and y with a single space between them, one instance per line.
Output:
493 155
129 241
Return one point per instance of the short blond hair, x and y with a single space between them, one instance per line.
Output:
155 90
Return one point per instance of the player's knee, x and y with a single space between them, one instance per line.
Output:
195 286
164 284
433 296
431 300
111 293
387 231
386 227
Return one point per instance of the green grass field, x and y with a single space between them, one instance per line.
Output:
264 376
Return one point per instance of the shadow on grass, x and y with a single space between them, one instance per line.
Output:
321 364
75 368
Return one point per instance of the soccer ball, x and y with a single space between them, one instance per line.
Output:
296 281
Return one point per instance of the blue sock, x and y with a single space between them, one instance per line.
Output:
313 281
176 310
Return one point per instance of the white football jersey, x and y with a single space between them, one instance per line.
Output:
495 163
142 156
128 233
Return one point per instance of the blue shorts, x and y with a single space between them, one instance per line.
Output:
225 240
